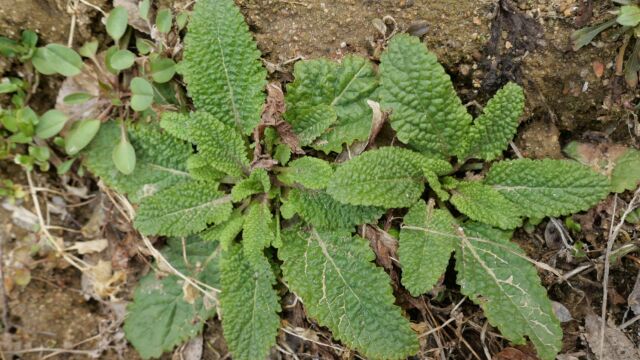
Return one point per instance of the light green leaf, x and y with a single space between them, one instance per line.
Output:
50 124
160 318
310 172
142 94
117 22
124 156
89 49
183 209
162 70
426 111
345 88
164 19
626 174
258 182
629 15
389 177
427 239
80 135
483 203
323 212
77 98
548 187
160 160
143 9
221 65
495 274
222 146
63 60
342 289
249 305
122 59
257 232
41 63
282 154
492 131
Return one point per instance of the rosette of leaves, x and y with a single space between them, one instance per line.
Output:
273 201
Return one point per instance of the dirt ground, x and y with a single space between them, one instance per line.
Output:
481 43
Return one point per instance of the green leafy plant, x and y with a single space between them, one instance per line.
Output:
256 198
628 19
100 86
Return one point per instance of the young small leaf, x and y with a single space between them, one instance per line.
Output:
164 18
249 305
89 49
142 91
548 187
124 156
626 174
483 203
310 172
426 111
257 232
389 177
50 124
63 60
258 182
183 209
427 239
117 21
80 135
122 60
629 15
492 131
77 98
333 274
162 70
143 9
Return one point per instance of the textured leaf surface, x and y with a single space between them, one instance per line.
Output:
249 305
492 131
333 274
310 172
548 187
257 232
183 209
221 65
257 182
222 146
323 212
427 240
226 232
426 111
493 273
312 121
159 317
160 161
344 87
199 169
388 177
483 203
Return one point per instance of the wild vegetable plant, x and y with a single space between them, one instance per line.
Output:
248 198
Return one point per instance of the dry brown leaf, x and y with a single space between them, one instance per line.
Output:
383 244
133 11
85 82
511 353
616 344
89 247
189 293
634 298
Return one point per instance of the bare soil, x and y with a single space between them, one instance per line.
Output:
482 44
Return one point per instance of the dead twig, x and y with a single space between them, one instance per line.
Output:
613 235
